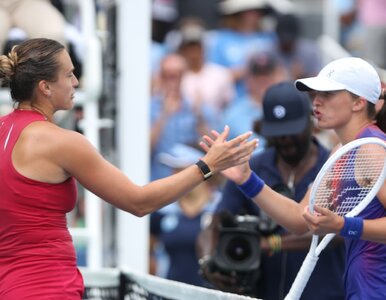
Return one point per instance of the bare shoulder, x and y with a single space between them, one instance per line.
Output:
52 135
58 144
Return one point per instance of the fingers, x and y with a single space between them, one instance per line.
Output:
204 146
321 211
223 136
208 140
311 218
307 215
240 139
217 137
215 133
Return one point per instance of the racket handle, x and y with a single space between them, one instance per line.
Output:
302 278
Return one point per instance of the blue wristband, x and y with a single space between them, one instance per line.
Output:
252 186
352 228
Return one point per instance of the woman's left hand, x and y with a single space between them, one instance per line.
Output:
323 221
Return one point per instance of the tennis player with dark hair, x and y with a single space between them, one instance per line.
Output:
39 163
346 98
288 165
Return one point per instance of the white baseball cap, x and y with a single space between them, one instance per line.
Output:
352 74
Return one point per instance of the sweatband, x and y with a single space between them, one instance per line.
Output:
352 228
252 186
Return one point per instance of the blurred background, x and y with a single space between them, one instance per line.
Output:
154 74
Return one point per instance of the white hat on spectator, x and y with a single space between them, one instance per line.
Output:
180 156
229 7
352 74
164 10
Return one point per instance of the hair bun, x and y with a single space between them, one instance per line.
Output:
8 65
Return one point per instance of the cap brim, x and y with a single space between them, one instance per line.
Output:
272 129
318 83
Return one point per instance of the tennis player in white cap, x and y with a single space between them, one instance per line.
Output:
348 98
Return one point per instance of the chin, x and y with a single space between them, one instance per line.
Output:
70 105
322 125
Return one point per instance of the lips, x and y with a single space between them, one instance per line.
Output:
316 114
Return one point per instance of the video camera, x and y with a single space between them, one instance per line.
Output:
238 250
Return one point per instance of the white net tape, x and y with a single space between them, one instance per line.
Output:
109 284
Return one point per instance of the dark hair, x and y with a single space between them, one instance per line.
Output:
372 114
27 64
288 26
380 117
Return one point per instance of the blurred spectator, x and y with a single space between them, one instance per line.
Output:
301 56
203 82
263 70
241 35
205 10
289 165
163 17
37 18
173 119
372 15
352 35
175 227
73 35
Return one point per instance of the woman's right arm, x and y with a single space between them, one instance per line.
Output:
285 211
81 160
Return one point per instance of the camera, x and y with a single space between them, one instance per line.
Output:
238 246
238 250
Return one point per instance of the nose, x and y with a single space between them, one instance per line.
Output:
317 100
75 81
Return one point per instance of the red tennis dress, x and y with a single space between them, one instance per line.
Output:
37 256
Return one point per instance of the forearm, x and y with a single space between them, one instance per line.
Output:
291 242
285 211
208 237
161 192
374 230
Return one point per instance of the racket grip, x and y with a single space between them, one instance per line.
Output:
302 278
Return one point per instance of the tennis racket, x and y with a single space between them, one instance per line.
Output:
346 184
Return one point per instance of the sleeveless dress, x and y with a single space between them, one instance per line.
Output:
37 256
365 275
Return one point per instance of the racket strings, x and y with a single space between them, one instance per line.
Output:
348 181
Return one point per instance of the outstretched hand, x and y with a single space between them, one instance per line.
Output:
234 154
322 221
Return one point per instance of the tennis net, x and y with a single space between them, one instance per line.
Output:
114 284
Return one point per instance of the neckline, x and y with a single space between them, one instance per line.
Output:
33 111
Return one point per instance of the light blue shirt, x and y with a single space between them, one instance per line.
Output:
181 127
232 49
241 116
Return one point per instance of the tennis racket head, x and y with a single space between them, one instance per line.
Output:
351 177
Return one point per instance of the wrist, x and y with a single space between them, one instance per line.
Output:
204 169
275 243
245 176
252 186
204 263
204 260
352 227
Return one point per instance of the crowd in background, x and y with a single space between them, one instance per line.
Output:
214 68
211 64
